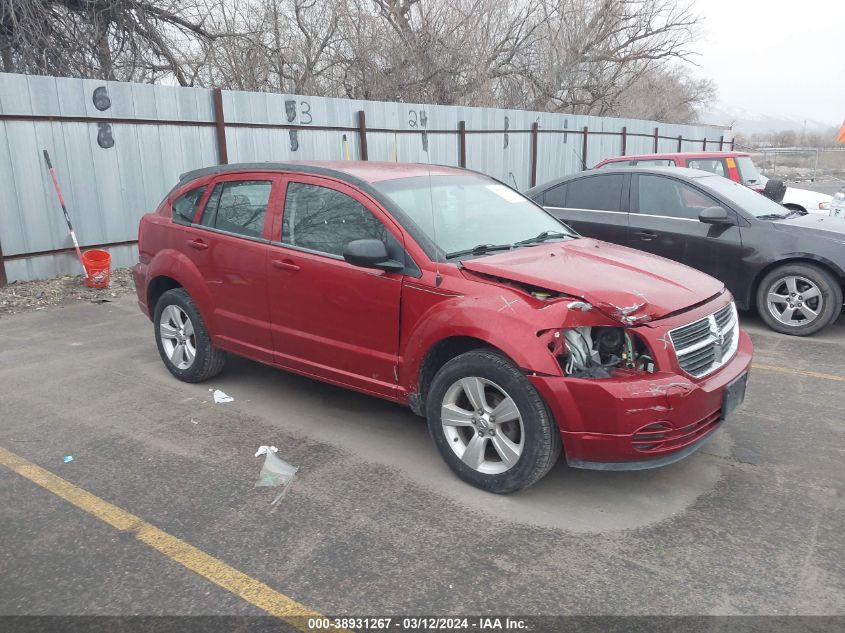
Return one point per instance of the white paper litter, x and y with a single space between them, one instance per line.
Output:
219 397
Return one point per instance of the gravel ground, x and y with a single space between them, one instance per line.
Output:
37 295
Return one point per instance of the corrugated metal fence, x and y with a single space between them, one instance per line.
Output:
119 147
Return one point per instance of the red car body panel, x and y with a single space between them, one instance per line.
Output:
371 330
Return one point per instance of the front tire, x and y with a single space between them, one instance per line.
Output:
183 340
489 423
799 299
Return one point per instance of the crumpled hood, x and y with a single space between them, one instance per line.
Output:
626 284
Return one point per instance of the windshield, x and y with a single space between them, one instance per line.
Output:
470 211
748 171
744 198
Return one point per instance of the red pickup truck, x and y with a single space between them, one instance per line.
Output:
444 290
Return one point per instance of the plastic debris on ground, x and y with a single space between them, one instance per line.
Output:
275 472
219 396
67 458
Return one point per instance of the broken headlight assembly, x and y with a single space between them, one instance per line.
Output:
599 352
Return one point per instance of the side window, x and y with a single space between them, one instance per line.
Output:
324 220
713 165
671 198
185 206
556 197
602 193
238 207
654 162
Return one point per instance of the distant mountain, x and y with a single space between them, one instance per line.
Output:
751 122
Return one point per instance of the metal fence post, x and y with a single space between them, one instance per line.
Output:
721 143
462 143
680 142
220 127
535 127
656 139
584 148
704 144
3 279
624 140
362 134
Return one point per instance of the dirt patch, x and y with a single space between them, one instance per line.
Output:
23 296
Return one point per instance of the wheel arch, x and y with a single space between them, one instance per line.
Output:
437 355
825 265
171 269
157 287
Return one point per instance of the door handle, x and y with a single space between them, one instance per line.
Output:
646 236
197 244
284 265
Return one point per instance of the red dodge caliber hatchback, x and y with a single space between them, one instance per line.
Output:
447 291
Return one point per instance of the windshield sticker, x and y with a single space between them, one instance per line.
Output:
506 193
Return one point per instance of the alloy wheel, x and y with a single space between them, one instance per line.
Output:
483 425
177 336
794 301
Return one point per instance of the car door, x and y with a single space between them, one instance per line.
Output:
331 318
594 205
229 245
664 221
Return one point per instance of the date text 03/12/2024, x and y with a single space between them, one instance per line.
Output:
418 623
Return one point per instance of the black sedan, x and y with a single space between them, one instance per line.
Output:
791 267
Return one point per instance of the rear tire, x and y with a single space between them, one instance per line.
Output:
183 340
799 299
501 455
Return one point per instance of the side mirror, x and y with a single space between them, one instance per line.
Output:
370 254
714 215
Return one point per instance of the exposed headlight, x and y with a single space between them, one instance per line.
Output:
824 205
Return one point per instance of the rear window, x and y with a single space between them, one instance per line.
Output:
185 206
654 162
238 207
603 193
748 174
713 165
617 163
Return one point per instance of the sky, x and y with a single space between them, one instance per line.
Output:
778 57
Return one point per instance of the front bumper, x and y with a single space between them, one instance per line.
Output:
603 423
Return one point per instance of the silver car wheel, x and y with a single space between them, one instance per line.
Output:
794 301
483 425
177 337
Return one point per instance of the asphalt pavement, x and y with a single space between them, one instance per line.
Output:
375 523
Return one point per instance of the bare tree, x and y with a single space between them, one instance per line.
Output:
583 56
111 39
597 49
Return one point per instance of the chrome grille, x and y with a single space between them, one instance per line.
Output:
705 345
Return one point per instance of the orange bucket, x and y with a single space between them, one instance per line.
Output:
98 267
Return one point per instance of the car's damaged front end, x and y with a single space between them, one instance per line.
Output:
647 371
656 405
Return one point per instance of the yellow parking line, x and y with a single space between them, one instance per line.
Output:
246 587
798 372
